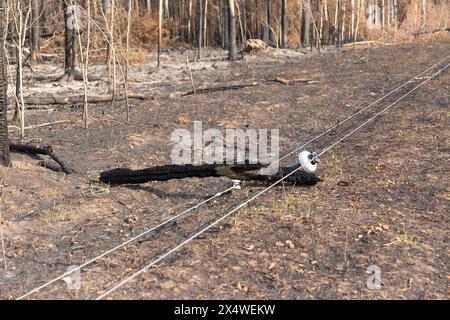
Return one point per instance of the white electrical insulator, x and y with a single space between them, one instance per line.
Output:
308 161
237 184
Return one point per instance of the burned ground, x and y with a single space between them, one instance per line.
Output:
384 198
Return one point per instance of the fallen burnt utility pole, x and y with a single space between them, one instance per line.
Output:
44 150
232 171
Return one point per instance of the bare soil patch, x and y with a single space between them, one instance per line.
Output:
384 199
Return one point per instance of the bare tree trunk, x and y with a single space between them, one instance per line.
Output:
424 14
167 9
205 22
360 13
343 16
20 106
160 13
86 65
35 33
226 25
337 24
268 27
200 29
394 12
127 58
20 23
321 22
107 12
306 24
283 21
4 144
446 13
70 40
241 27
351 30
190 22
300 20
232 23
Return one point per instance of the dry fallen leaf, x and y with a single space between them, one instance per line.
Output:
279 244
18 253
290 244
183 120
242 287
168 285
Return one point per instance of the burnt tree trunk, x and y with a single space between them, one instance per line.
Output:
306 24
70 42
232 24
268 36
283 23
226 23
4 145
35 32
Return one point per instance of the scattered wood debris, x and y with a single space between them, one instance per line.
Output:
44 150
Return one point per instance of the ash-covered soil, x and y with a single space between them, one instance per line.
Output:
384 199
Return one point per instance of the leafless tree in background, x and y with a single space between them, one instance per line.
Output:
4 145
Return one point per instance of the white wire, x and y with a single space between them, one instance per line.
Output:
124 244
169 252
120 284
382 111
355 114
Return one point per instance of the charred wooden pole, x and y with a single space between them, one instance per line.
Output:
233 171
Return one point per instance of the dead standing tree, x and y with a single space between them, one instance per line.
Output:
306 24
283 23
20 21
268 35
35 54
160 13
4 145
232 24
200 29
71 23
